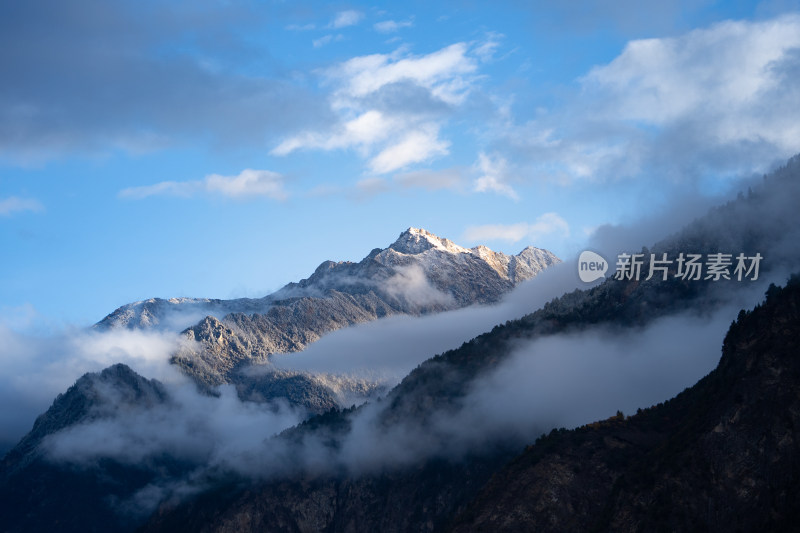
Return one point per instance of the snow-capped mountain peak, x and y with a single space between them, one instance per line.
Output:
417 240
437 272
430 250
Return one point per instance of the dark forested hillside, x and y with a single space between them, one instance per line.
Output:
724 455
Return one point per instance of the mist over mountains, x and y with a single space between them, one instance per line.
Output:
411 267
177 457
419 274
720 456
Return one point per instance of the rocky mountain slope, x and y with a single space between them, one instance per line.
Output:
419 273
177 313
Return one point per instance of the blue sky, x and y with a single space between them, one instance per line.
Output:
223 149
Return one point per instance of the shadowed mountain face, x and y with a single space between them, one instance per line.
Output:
40 494
94 396
723 455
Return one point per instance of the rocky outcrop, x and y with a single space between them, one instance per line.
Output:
419 273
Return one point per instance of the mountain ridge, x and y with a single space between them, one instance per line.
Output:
150 313
418 274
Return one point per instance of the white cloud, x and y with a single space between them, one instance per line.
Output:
546 224
164 188
485 51
326 39
14 204
496 232
247 183
346 18
35 367
411 286
392 107
391 26
362 131
300 27
393 346
494 176
322 41
718 100
728 67
449 178
440 72
491 183
372 186
415 147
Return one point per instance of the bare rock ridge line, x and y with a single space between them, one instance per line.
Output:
420 273
413 246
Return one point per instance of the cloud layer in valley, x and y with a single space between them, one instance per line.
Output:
553 381
558 380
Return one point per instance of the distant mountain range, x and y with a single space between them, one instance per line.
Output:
420 273
720 456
